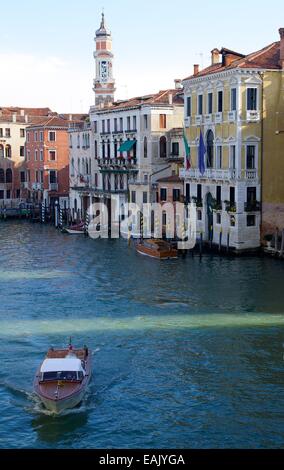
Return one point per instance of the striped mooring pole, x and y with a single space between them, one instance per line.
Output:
87 221
43 212
60 216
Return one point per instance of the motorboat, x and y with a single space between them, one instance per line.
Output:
63 377
159 249
75 229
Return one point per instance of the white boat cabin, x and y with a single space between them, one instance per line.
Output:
69 368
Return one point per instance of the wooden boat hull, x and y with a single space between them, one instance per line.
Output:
60 405
58 396
74 232
162 255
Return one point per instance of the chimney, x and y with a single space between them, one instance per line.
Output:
170 96
22 112
26 118
178 84
14 117
281 62
215 56
196 69
70 117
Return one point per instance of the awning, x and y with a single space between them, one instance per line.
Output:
127 146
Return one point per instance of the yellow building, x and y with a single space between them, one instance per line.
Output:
234 104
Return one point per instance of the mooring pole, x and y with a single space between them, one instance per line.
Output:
220 240
201 244
228 241
282 244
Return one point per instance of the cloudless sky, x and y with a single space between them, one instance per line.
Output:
46 52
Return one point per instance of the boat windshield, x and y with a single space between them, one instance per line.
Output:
62 375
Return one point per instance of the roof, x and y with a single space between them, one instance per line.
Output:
170 179
266 58
61 365
162 98
55 121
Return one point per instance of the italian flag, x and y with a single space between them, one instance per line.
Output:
187 152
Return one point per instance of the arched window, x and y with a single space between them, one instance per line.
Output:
145 147
210 149
75 204
79 165
135 150
8 151
72 167
90 166
2 176
1 151
96 149
9 175
163 147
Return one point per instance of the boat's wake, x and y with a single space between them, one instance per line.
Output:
15 391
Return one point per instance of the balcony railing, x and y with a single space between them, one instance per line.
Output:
208 119
187 121
231 116
53 186
218 117
253 116
252 206
250 174
210 173
231 206
37 186
198 120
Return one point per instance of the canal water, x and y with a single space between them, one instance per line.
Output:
186 353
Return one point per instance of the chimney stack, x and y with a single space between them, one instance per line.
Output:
196 69
14 117
170 98
178 84
26 118
281 62
215 56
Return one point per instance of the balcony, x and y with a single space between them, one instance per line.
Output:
210 173
253 116
53 186
37 186
138 182
187 121
252 206
208 119
24 185
131 131
218 118
198 120
250 175
198 202
116 131
232 116
231 206
105 132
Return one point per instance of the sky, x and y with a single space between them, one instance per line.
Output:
46 53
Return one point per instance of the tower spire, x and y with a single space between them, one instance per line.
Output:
103 20
104 83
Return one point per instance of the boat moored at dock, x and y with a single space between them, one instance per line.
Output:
159 249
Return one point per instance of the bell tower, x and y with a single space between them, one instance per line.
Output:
104 84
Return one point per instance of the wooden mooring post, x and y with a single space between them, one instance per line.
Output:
220 240
282 245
